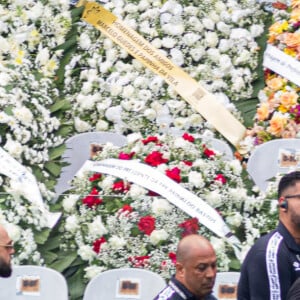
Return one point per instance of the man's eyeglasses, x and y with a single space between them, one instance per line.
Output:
9 246
292 196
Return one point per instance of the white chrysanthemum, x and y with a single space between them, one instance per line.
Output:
96 228
160 206
235 220
86 252
81 126
214 198
116 242
69 202
93 271
14 148
196 179
72 223
136 191
157 236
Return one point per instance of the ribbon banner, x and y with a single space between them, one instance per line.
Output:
201 100
156 181
14 170
283 64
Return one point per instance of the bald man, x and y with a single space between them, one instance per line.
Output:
196 268
6 251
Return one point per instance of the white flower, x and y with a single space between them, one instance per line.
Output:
214 198
117 242
160 206
86 252
81 126
14 231
196 179
157 236
96 228
211 39
93 271
14 148
71 223
69 202
136 191
235 220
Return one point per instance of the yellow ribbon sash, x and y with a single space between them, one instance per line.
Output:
201 100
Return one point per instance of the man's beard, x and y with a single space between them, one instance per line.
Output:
295 220
5 268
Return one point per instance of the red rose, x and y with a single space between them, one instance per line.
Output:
92 199
220 178
121 186
95 176
97 244
188 163
155 158
208 152
146 224
188 137
174 174
150 139
126 208
172 256
139 261
189 226
126 156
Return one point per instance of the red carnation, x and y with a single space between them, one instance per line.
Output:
220 178
120 186
97 244
126 156
155 158
174 174
188 137
95 176
92 199
190 226
146 224
172 256
208 152
150 139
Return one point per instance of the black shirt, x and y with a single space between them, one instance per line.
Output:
270 267
177 291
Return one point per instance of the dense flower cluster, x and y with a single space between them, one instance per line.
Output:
214 42
113 223
278 114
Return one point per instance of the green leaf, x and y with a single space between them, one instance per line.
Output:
42 236
64 260
65 130
76 284
53 168
60 105
49 257
56 152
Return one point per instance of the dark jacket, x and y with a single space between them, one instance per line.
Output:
177 291
270 267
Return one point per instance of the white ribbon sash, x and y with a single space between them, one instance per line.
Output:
14 170
156 181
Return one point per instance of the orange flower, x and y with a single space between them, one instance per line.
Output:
275 83
295 3
292 39
295 15
277 125
262 112
288 99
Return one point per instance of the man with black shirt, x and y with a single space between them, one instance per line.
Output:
196 268
273 263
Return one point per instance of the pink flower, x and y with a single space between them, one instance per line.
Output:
188 137
126 156
220 178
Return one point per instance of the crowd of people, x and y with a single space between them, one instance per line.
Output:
271 269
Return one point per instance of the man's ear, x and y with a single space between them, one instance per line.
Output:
179 269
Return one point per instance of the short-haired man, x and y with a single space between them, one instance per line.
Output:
273 263
6 251
196 268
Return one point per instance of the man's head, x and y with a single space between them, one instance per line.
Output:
6 251
196 265
289 200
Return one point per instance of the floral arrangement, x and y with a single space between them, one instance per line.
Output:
278 113
214 42
114 223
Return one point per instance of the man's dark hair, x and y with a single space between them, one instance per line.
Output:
288 180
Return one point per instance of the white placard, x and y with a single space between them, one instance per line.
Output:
283 64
